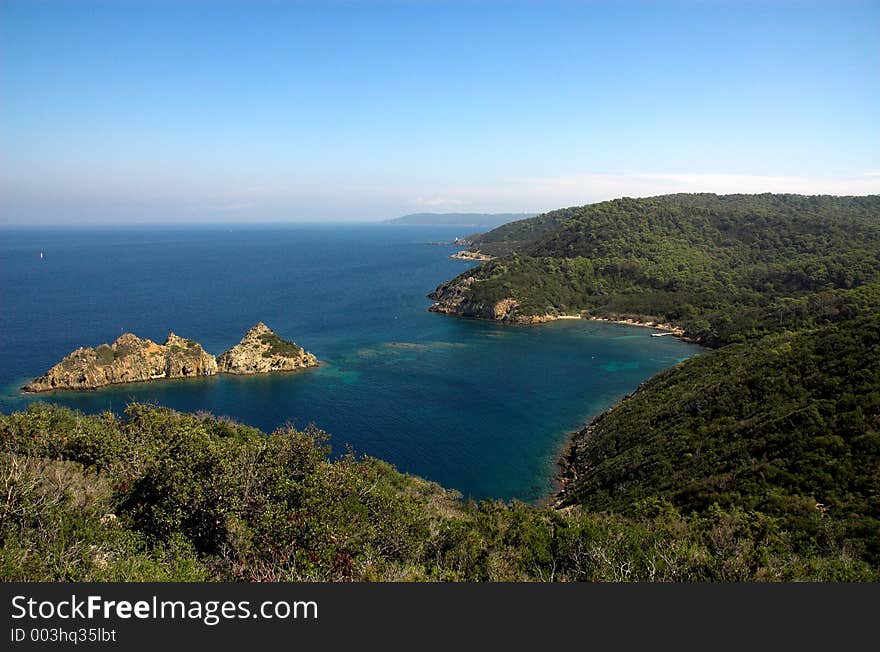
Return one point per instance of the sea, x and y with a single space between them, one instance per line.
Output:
483 408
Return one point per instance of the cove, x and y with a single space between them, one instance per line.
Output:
480 407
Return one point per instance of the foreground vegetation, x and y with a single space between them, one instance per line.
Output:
158 495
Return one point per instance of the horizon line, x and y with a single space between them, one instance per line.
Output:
389 220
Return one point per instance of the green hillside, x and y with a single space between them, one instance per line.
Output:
698 261
788 427
155 495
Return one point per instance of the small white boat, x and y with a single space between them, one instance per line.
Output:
660 334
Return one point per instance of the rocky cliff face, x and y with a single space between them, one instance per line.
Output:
467 254
129 359
456 298
262 351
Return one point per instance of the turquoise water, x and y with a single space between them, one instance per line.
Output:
479 407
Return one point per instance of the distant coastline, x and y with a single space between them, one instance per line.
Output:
473 221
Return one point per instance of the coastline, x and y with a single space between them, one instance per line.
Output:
677 331
453 299
558 479
628 321
566 454
152 381
562 477
565 458
465 254
666 327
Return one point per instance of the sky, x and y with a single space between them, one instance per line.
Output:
171 112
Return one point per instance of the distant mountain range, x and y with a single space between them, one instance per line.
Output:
471 220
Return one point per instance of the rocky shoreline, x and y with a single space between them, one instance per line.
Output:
672 329
453 299
131 359
467 254
568 458
572 456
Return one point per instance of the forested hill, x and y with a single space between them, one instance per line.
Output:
694 260
788 427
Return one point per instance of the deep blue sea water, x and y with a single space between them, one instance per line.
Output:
483 408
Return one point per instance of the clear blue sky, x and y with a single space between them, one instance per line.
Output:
215 111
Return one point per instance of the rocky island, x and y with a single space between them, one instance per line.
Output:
262 351
131 359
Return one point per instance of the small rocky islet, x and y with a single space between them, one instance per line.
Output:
131 359
261 351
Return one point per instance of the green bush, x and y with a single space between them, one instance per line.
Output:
158 495
278 346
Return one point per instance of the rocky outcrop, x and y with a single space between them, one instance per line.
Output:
456 298
576 460
262 351
129 359
467 254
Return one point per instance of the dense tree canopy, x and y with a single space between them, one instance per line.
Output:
697 260
790 428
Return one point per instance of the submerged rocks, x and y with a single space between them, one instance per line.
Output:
131 359
262 351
